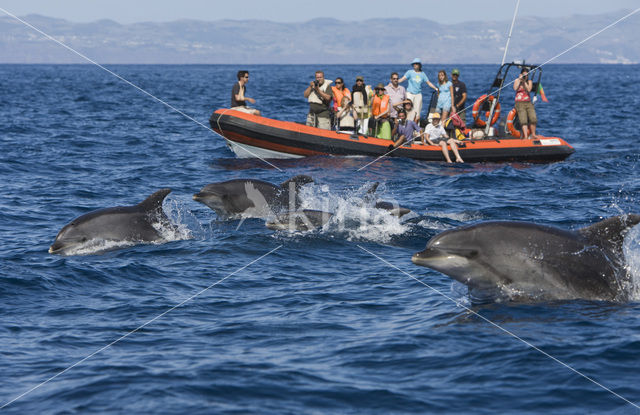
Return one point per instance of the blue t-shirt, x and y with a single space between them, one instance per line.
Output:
416 79
444 99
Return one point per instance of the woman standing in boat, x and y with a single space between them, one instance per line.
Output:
414 88
445 95
524 107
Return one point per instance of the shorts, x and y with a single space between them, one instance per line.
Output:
526 113
246 109
416 99
314 120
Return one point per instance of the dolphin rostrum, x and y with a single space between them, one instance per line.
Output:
252 198
115 224
534 262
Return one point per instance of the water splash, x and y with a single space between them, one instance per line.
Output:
354 215
184 224
631 250
97 246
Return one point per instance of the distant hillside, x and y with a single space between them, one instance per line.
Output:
321 41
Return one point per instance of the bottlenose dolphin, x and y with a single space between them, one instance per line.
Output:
121 223
299 220
393 208
251 198
534 262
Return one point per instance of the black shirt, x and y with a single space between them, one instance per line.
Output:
458 89
235 91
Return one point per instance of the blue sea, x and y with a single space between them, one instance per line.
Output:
319 325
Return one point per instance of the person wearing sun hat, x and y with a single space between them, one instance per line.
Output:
416 79
380 108
459 94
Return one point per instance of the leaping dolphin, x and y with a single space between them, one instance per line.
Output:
117 224
393 208
252 198
535 262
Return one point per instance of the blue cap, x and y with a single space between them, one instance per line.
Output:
416 60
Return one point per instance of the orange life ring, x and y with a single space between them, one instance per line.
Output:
476 111
510 118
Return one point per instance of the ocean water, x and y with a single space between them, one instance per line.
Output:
319 325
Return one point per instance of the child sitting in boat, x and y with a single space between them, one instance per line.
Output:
346 116
412 114
435 134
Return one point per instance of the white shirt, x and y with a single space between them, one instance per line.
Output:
435 131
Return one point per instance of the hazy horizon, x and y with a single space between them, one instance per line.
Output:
289 11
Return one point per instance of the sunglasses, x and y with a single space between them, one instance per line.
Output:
359 80
338 82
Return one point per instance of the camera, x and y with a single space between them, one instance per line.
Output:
316 83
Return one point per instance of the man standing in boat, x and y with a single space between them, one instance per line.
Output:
397 95
319 95
238 99
459 94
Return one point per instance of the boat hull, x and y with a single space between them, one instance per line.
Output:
247 134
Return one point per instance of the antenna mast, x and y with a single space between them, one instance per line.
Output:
515 13
506 48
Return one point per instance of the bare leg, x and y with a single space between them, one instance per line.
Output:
454 148
525 130
443 144
533 131
445 115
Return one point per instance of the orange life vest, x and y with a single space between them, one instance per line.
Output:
380 105
338 94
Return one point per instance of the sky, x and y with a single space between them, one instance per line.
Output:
443 11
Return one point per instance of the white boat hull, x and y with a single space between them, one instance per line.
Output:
245 151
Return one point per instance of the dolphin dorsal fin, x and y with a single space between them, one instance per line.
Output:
370 195
373 188
299 180
154 202
610 232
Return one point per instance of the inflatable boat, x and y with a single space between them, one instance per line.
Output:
249 135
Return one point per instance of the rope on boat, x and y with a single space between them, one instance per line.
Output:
218 122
